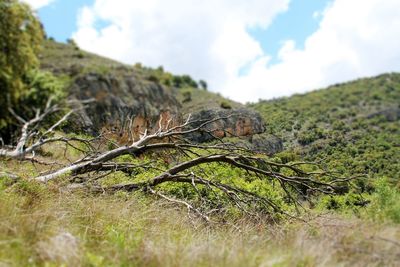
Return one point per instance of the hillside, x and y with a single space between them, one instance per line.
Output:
124 92
111 164
353 128
69 60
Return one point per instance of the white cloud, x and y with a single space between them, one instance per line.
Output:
355 39
36 4
206 39
210 40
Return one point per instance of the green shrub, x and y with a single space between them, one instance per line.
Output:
225 104
80 55
41 87
187 96
203 84
21 36
153 78
385 202
184 81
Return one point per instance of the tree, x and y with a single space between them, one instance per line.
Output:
203 85
99 161
21 36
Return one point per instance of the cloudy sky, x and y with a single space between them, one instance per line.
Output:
245 49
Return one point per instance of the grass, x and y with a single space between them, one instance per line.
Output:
62 58
48 225
354 125
52 225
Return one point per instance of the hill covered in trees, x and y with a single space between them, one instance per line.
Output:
353 127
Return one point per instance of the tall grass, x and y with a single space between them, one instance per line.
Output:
46 226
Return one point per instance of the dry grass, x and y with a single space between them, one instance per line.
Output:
43 226
46 225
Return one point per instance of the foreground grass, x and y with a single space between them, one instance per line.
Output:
47 226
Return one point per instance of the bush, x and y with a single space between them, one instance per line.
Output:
187 96
225 104
177 81
203 84
184 81
385 202
21 37
153 78
80 55
42 85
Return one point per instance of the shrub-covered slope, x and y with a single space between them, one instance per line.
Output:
353 127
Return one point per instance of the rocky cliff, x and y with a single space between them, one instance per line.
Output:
235 122
122 102
129 99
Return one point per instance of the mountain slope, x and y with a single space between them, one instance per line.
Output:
143 95
353 127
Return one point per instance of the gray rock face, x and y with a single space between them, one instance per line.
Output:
121 99
268 144
124 102
390 114
234 122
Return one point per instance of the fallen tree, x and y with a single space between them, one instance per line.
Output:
96 164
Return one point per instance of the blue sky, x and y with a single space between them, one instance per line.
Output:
245 49
60 17
297 23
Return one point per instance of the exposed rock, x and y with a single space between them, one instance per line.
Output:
121 99
235 122
127 99
269 144
390 114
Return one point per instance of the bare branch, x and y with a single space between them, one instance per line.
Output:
181 202
97 163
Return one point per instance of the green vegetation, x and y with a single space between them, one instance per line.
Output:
24 86
68 59
225 104
352 128
203 84
43 226
20 40
166 78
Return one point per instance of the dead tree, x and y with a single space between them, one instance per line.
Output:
33 136
96 164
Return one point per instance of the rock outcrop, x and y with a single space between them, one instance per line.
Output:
269 144
389 114
122 102
125 104
132 100
235 122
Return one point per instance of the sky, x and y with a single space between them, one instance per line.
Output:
245 49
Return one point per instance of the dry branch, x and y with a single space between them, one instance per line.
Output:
101 163
31 138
